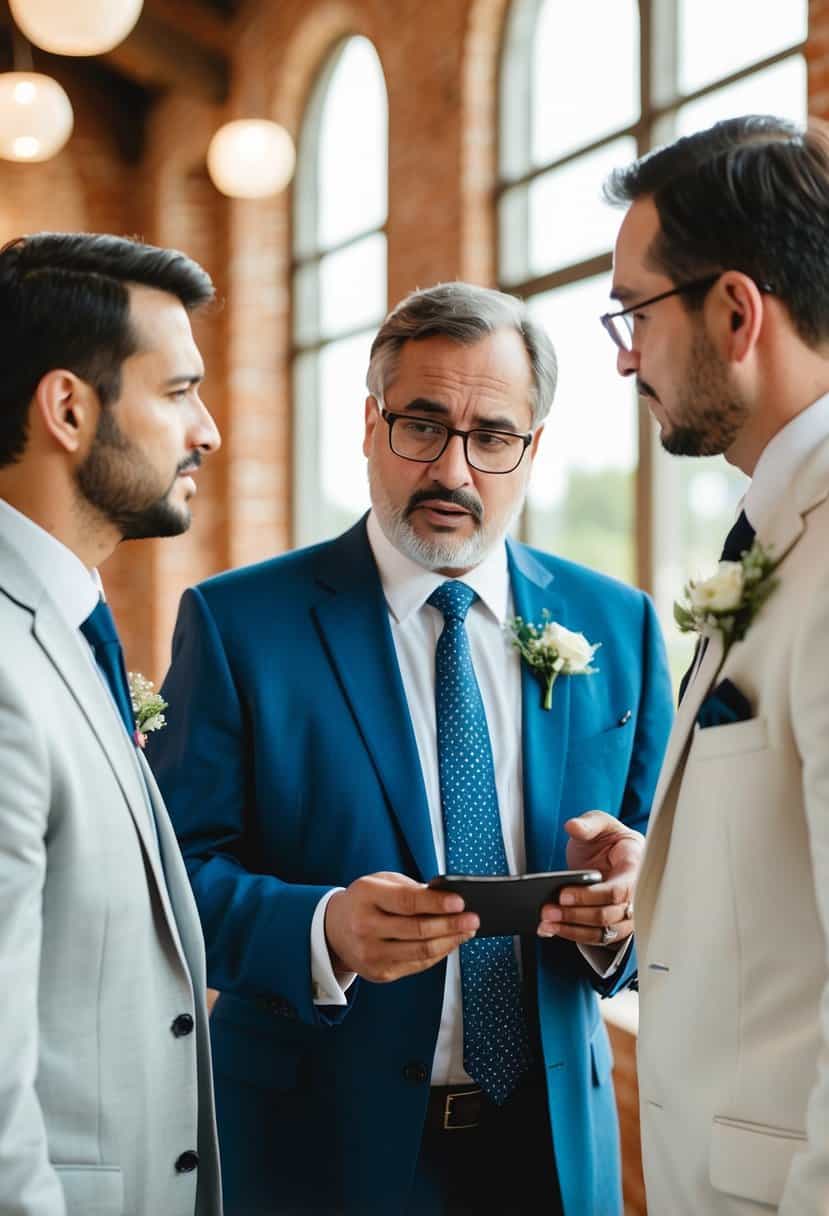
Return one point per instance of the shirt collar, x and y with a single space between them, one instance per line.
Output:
74 588
407 586
780 460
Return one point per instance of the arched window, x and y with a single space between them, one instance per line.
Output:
582 91
339 284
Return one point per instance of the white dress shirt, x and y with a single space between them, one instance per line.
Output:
780 460
416 627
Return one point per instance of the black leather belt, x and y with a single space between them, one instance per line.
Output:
454 1107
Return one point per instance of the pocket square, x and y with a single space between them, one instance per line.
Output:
724 704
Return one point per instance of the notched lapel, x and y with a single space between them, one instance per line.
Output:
66 654
354 625
545 733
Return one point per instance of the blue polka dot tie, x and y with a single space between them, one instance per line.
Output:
495 1044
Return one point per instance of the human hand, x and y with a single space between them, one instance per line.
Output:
384 926
602 914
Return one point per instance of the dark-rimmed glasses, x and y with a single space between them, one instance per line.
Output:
622 335
425 440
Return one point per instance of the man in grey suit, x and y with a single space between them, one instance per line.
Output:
106 1104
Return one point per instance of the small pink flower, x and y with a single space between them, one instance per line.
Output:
139 739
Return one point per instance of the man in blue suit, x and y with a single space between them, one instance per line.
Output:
349 720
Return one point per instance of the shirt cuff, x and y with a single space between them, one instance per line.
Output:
602 961
328 987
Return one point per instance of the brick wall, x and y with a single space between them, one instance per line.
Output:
440 62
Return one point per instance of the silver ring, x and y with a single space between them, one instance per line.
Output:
629 911
609 934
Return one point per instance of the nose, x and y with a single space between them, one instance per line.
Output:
204 434
451 469
627 362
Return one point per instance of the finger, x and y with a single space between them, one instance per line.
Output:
409 898
394 959
586 935
426 928
613 891
591 824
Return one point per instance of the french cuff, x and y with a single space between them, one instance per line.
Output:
327 986
602 961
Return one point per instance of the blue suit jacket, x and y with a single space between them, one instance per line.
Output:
289 766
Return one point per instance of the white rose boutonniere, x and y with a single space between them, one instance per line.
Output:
551 651
147 706
729 600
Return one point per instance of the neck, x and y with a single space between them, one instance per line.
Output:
53 504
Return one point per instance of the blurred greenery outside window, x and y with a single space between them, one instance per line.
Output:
603 492
339 284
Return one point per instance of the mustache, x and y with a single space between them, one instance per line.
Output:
193 461
644 389
458 498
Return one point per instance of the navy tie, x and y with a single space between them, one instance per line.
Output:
99 630
495 1042
739 541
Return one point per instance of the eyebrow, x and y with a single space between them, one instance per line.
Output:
424 405
623 294
188 378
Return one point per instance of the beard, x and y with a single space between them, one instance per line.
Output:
713 413
119 483
437 553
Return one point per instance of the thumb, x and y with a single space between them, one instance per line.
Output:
587 826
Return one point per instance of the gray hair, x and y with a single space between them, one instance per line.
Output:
467 314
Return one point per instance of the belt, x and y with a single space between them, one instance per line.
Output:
454 1107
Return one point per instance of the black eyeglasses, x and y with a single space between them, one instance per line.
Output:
425 440
622 335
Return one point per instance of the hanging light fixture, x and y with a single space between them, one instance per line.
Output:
251 158
36 116
78 27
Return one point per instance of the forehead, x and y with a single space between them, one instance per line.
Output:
161 324
494 371
632 268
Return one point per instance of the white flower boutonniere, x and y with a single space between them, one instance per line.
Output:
729 600
147 706
551 651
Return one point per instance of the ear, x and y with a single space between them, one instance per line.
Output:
372 415
740 309
534 445
68 408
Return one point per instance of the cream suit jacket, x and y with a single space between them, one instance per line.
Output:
100 947
732 910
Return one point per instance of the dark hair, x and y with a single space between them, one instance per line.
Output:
749 194
64 302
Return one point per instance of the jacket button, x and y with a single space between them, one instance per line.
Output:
415 1072
187 1162
182 1025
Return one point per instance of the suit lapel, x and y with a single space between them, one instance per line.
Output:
544 733
353 621
66 653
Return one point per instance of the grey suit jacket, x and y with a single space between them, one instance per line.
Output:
102 1089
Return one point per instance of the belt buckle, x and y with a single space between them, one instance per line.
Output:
447 1110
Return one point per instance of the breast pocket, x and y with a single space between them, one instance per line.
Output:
732 739
596 770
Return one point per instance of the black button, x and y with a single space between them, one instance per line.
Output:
187 1162
416 1072
182 1025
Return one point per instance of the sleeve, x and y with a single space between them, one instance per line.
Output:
654 719
257 927
28 1184
807 1188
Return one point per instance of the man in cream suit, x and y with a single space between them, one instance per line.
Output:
722 273
105 1092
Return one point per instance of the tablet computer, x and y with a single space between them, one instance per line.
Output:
511 903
